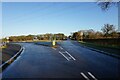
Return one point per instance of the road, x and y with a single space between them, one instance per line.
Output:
69 60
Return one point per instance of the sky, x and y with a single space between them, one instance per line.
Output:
24 18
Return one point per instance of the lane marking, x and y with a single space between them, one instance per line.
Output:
70 55
63 55
20 54
84 76
92 76
23 47
23 50
54 48
61 47
11 59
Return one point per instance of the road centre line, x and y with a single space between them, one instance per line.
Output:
92 76
61 47
63 55
84 76
70 55
54 48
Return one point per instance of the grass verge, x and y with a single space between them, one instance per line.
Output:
9 51
106 48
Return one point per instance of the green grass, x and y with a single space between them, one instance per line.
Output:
107 48
9 51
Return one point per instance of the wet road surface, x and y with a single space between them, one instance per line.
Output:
68 60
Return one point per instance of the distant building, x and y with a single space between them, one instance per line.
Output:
35 38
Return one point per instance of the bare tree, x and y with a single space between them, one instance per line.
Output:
106 4
98 35
108 29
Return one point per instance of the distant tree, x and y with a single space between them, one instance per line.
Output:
74 35
98 35
59 36
87 34
77 35
114 34
4 39
13 38
91 34
29 37
48 36
108 29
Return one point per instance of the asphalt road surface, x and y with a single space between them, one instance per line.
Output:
69 60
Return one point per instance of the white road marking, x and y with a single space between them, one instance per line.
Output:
54 48
11 59
23 50
20 54
70 55
61 47
84 76
63 55
92 76
23 47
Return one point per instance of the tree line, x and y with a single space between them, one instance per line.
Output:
47 36
107 31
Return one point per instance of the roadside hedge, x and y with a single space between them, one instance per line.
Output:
106 41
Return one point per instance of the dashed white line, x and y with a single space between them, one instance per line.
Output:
54 48
61 48
84 76
70 55
63 55
92 76
68 58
